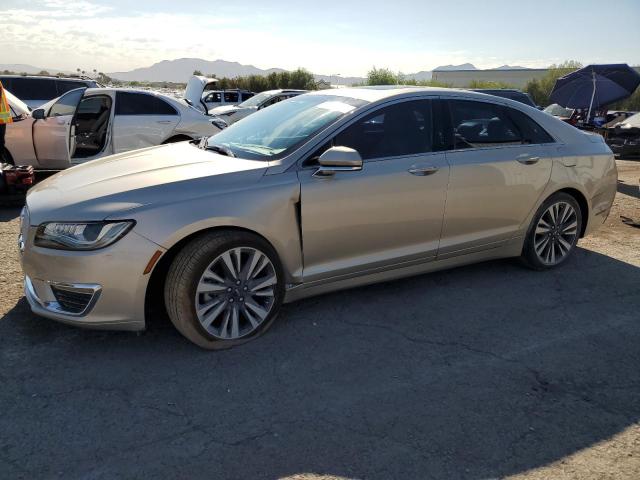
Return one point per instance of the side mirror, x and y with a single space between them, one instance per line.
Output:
38 114
338 159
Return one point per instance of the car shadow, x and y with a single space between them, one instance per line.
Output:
627 189
9 213
478 372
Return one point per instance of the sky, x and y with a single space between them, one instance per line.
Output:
326 37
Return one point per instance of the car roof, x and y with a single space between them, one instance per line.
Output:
49 77
382 92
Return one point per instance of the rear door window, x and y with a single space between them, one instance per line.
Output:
401 129
529 128
214 97
481 124
132 103
231 97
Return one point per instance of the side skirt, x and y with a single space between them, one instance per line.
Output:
297 292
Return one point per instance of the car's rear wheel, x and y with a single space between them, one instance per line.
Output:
554 232
224 289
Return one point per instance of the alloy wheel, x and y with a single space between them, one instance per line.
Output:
556 233
236 293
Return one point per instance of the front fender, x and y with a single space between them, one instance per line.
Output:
269 209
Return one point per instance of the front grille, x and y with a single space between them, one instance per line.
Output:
72 301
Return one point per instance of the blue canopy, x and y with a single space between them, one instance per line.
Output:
595 85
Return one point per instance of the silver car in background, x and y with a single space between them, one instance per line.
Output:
321 192
232 113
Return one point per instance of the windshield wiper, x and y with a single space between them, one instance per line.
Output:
221 149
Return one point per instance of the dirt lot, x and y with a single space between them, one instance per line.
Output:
488 371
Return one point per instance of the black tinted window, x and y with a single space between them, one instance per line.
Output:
530 130
231 97
401 129
33 88
130 103
480 124
66 105
215 97
65 85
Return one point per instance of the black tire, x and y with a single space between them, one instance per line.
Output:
529 256
186 270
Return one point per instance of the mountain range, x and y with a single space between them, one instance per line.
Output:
179 71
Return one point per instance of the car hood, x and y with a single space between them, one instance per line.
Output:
121 183
221 110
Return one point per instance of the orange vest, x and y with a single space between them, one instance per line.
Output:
5 111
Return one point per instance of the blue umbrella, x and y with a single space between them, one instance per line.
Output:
594 86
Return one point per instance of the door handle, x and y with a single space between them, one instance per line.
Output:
163 122
527 159
423 171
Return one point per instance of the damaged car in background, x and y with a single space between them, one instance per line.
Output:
624 138
86 124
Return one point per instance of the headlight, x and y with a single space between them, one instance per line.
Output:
218 122
81 236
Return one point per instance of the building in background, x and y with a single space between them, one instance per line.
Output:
518 78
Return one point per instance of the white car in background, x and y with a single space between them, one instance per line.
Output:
86 124
232 113
203 93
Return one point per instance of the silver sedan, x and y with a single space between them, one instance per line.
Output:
325 191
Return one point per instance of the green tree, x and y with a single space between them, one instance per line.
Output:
43 72
197 72
540 89
381 76
488 84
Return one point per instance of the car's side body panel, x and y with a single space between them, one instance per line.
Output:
489 194
355 221
268 207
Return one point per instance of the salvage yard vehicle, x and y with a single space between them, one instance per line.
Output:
217 98
86 124
322 192
36 90
624 138
560 112
510 93
231 114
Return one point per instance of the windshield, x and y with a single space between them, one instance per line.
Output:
272 133
256 100
558 111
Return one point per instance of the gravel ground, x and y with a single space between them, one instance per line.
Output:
487 371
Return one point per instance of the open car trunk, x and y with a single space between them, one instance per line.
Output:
195 88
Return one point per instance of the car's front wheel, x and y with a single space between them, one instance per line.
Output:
554 232
224 289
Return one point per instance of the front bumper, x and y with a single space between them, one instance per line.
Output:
97 289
